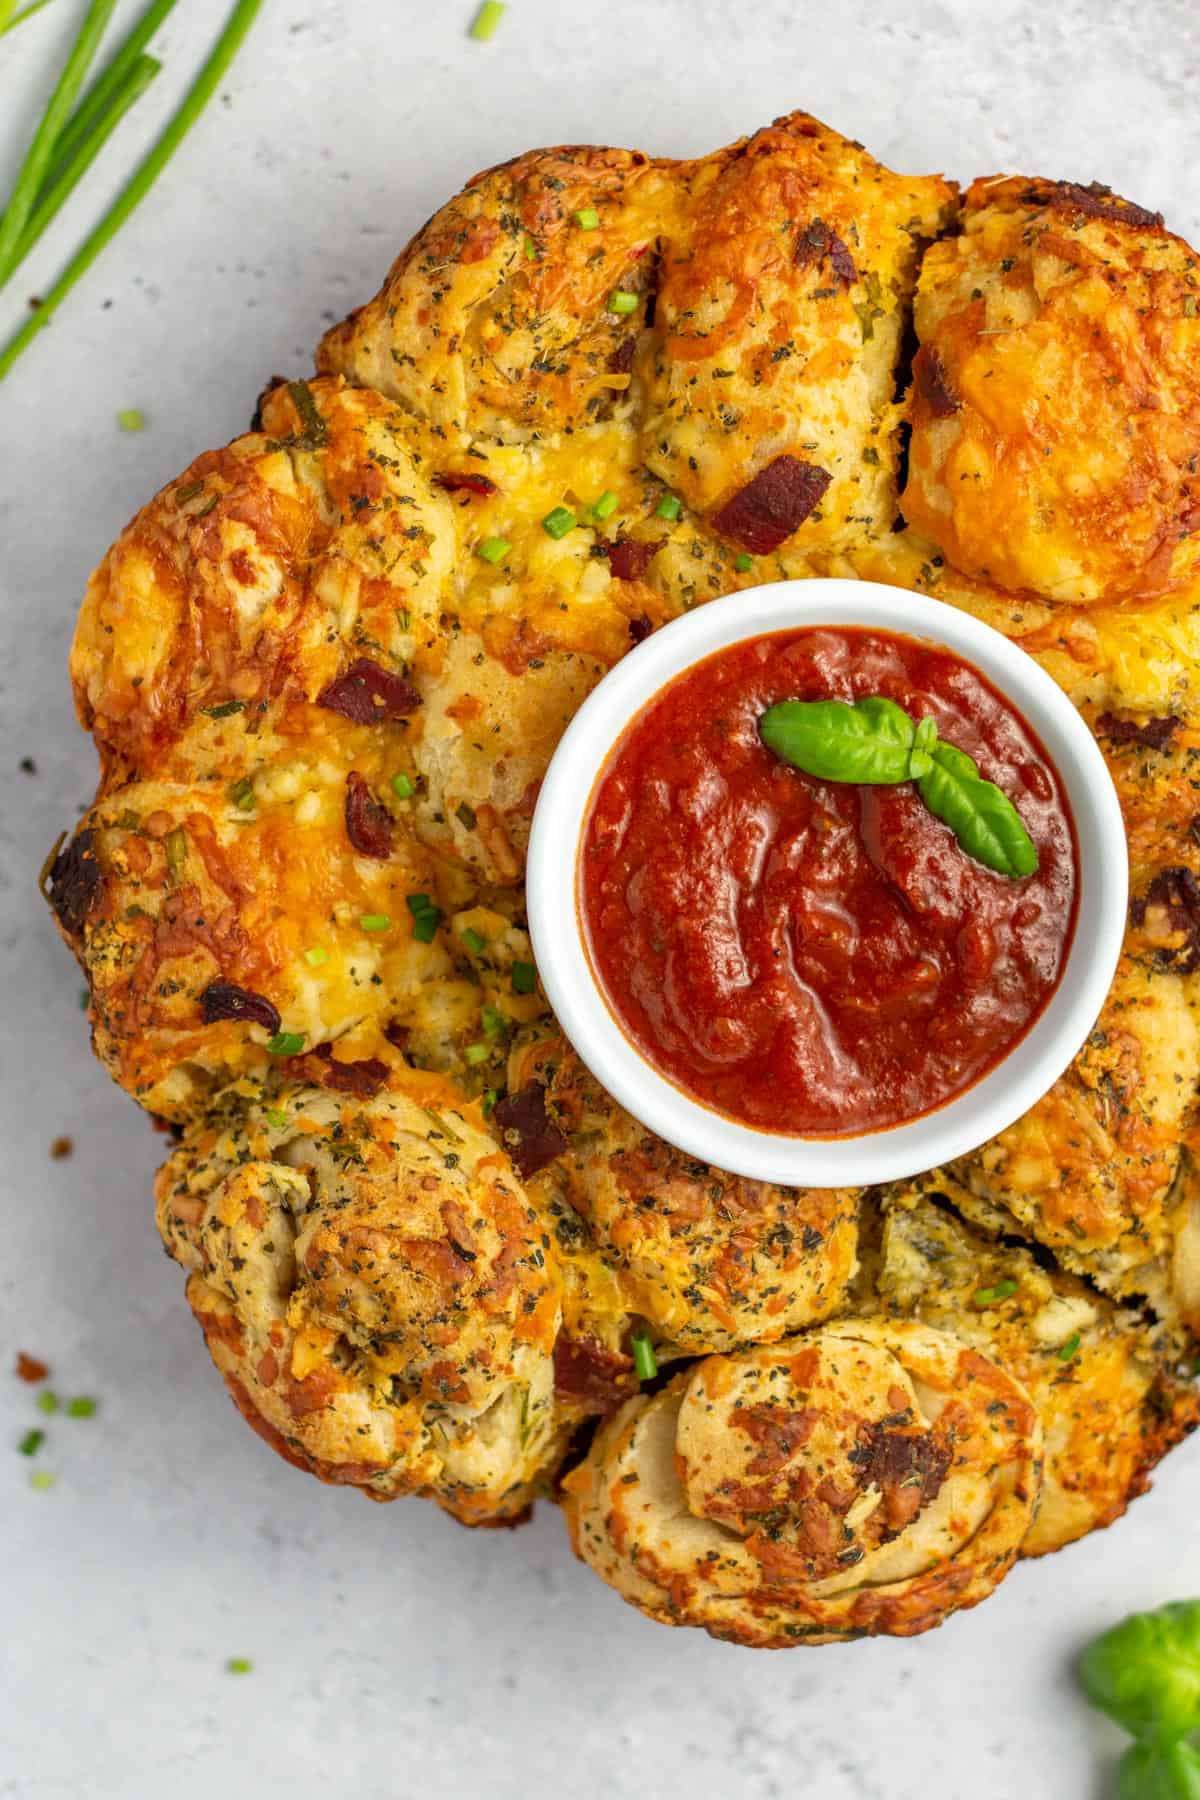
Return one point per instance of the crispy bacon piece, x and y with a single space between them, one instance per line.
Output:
586 1372
1096 201
1177 892
526 1132
640 629
930 384
225 1000
363 1078
768 509
817 243
910 1467
72 882
397 1035
1155 734
629 558
368 825
31 1368
367 694
621 360
465 480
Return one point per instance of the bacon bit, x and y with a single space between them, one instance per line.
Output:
367 694
586 1372
1095 201
397 1035
364 1078
640 629
30 1368
457 480
71 881
768 509
629 558
368 824
621 360
910 1467
1155 734
1177 892
526 1132
816 243
931 384
224 1000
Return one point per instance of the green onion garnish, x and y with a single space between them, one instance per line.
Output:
557 523
241 793
1067 1350
524 977
175 846
669 507
376 922
743 561
486 20
138 186
644 1360
418 904
474 940
619 301
81 1407
606 505
529 248
131 420
47 1401
477 1053
465 815
490 1097
276 1117
987 1296
27 12
41 1479
494 549
315 956
493 1020
587 219
402 787
286 1043
32 1442
426 917
239 1665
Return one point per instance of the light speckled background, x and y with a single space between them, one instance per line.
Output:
397 1655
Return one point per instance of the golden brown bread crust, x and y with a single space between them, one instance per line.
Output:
419 1236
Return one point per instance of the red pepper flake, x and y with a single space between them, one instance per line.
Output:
588 1373
367 694
224 1000
368 824
768 509
526 1132
629 558
931 384
31 1368
817 243
457 480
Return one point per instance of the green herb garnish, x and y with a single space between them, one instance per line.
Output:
42 1480
175 848
81 1407
474 940
426 917
316 955
32 1442
47 1401
286 1043
239 1665
669 507
524 978
402 787
376 921
493 549
644 1360
988 1296
1067 1350
620 301
275 1117
606 505
875 742
465 815
131 420
1145 1674
477 1053
486 20
587 218
743 562
241 794
558 522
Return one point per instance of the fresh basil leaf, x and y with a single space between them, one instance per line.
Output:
1159 1771
984 820
869 741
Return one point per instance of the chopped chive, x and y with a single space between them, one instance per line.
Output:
465 815
402 787
316 955
669 507
47 1401
425 925
81 1407
286 1043
486 20
644 1360
477 1053
529 248
41 1479
376 922
32 1442
524 977
490 1097
142 180
26 12
606 505
131 419
587 219
493 1020
619 301
987 1296
418 904
241 793
239 1665
227 707
474 940
275 1117
40 155
175 846
494 549
558 522
96 103
1067 1350
743 562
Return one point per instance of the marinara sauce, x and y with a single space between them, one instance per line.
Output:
808 956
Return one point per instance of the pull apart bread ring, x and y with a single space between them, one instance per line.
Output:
326 669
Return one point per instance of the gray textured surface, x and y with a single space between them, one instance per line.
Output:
395 1654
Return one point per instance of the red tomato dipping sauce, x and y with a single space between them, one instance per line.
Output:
817 957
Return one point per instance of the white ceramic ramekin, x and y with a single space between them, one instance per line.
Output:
965 1121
